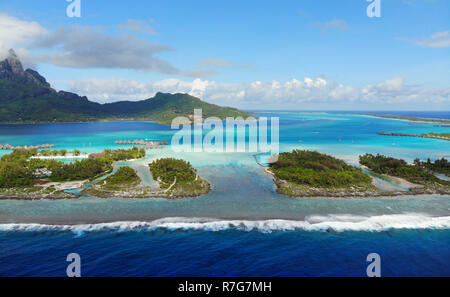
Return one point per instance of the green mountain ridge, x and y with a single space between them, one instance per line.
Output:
26 97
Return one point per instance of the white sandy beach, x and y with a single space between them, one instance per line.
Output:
83 156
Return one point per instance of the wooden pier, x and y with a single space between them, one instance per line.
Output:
145 143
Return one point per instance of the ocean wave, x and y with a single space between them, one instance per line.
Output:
337 223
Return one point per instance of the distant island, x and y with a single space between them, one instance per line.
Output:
313 174
408 118
26 97
443 136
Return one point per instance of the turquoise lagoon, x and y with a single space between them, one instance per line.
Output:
242 227
240 188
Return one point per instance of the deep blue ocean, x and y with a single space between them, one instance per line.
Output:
226 253
243 227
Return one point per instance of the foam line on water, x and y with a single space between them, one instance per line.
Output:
338 223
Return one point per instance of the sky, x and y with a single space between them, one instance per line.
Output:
252 54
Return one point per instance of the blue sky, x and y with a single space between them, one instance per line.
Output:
231 52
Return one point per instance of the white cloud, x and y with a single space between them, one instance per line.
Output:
215 62
436 40
17 33
140 26
86 47
257 94
89 47
209 66
117 89
335 24
391 85
198 73
221 63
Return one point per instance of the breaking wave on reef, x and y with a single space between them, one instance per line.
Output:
337 223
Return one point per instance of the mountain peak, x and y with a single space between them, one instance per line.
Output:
12 65
36 101
12 54
11 68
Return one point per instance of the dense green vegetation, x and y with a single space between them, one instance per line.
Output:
439 166
47 153
30 103
180 175
381 164
176 178
447 135
167 169
22 103
14 169
123 154
18 170
317 170
124 177
397 167
25 96
80 170
92 167
163 108
14 175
